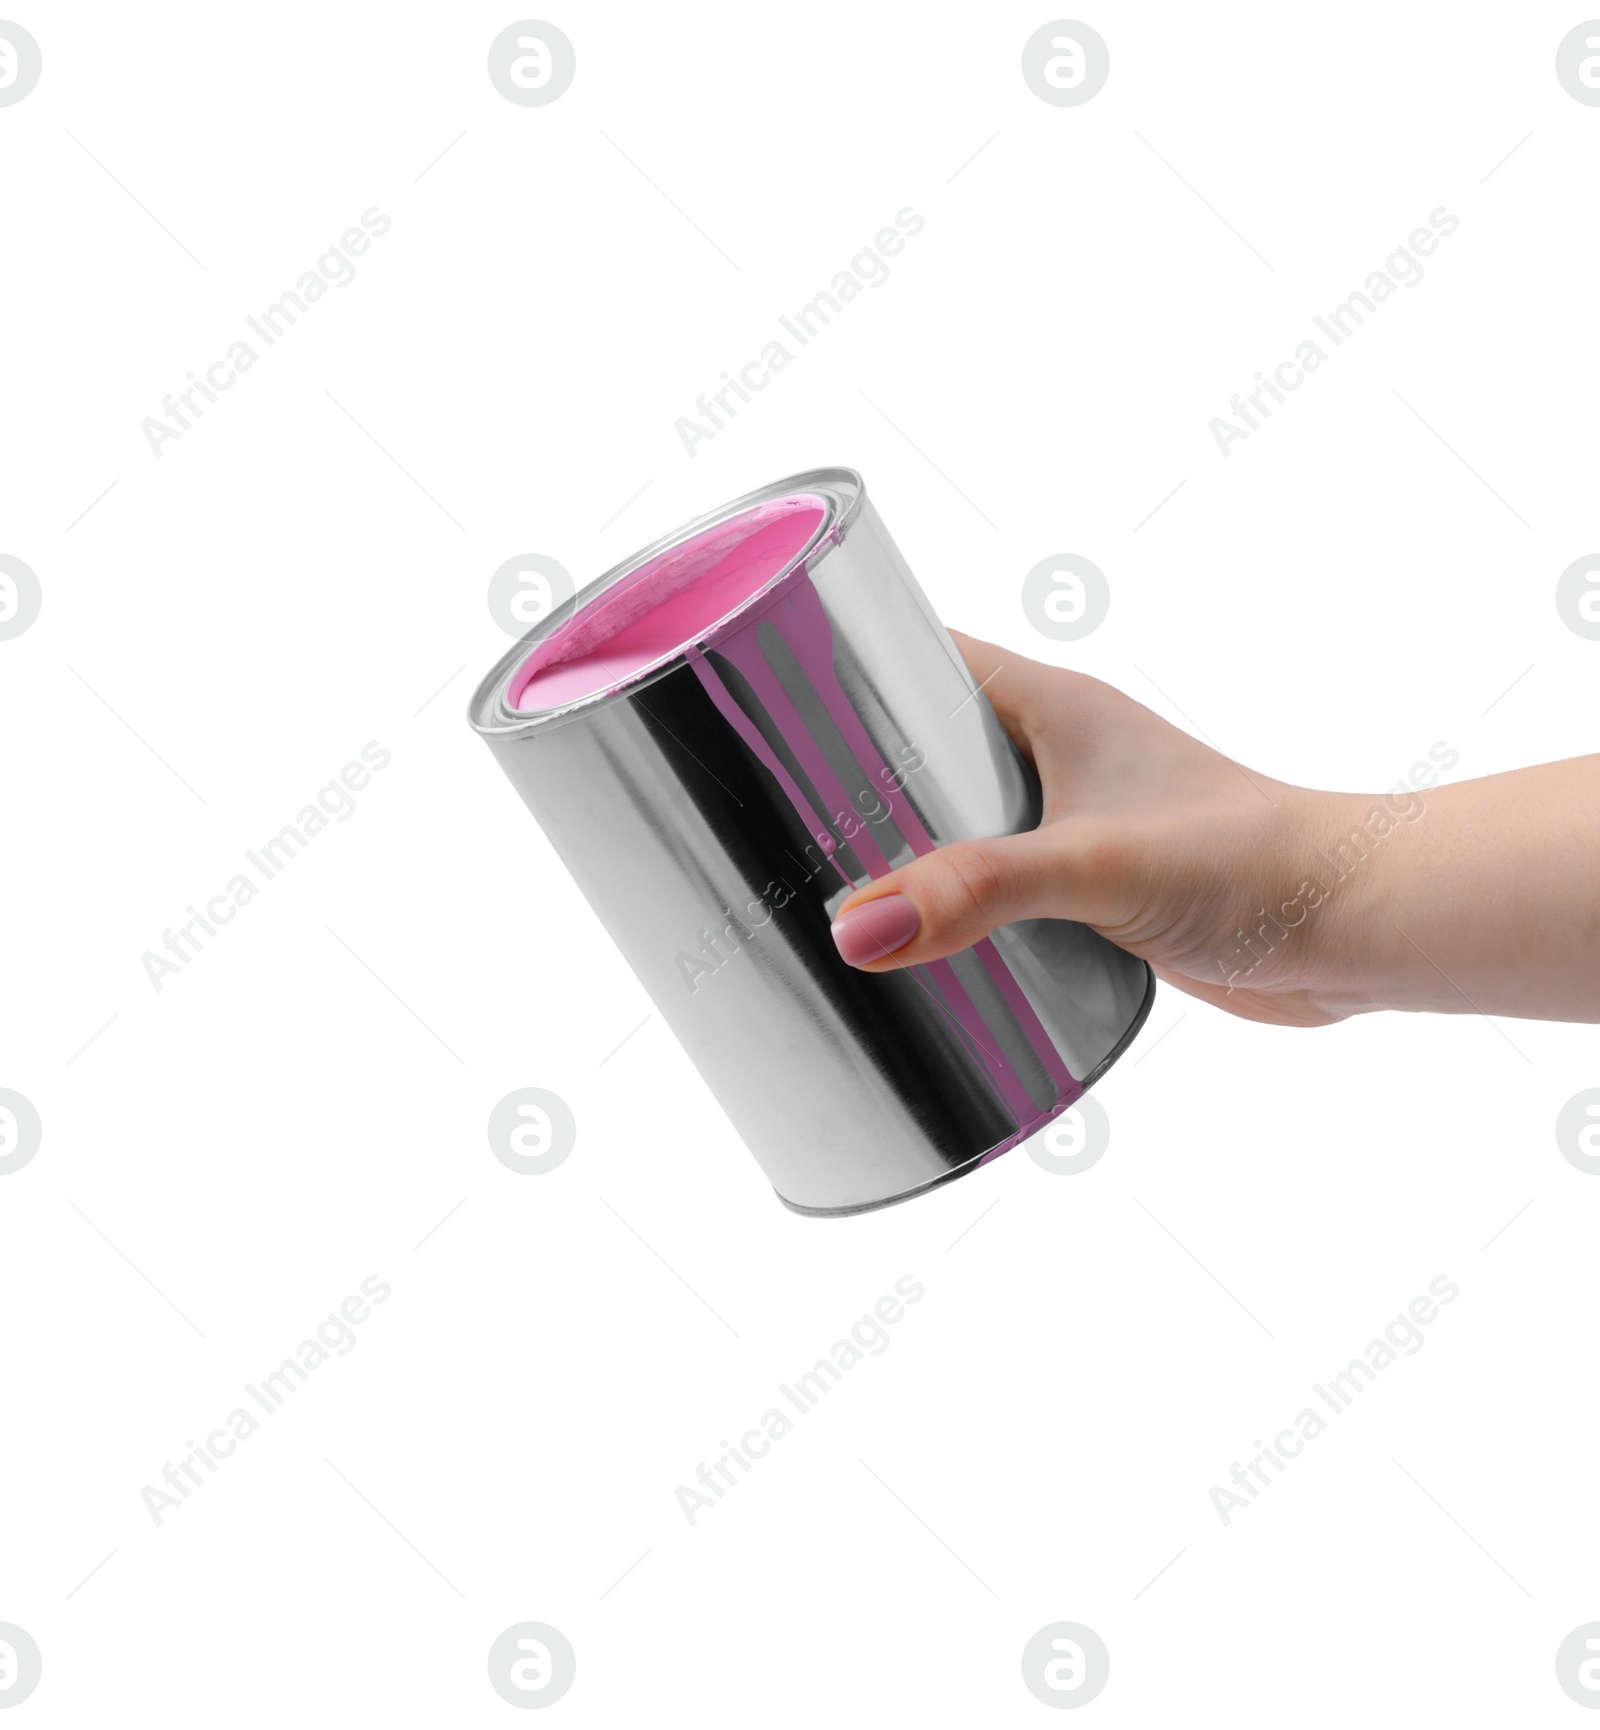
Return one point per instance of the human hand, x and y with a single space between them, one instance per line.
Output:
1272 901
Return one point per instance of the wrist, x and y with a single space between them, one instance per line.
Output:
1360 851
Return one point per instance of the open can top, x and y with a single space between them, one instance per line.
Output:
689 589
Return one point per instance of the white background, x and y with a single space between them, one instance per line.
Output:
274 1125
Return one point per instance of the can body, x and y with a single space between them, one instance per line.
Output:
718 805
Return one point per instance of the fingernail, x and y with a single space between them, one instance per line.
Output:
876 929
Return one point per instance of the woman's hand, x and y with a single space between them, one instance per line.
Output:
1269 900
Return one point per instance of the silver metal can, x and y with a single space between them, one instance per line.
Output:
717 782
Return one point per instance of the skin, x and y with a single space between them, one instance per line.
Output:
1481 897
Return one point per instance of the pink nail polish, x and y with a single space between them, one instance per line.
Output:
876 929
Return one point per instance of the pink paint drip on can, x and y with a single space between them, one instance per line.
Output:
725 735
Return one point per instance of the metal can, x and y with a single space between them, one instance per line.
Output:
723 737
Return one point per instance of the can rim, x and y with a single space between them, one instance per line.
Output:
490 714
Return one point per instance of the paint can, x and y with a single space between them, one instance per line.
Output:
722 737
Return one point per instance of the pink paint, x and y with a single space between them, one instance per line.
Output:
667 604
796 612
804 625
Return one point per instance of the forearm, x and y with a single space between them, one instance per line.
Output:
1484 897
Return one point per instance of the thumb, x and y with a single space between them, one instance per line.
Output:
948 899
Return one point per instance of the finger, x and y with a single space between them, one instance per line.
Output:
1011 682
948 899
1055 716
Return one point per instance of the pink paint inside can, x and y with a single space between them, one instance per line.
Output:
666 605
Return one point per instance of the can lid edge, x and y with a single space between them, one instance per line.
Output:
488 713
